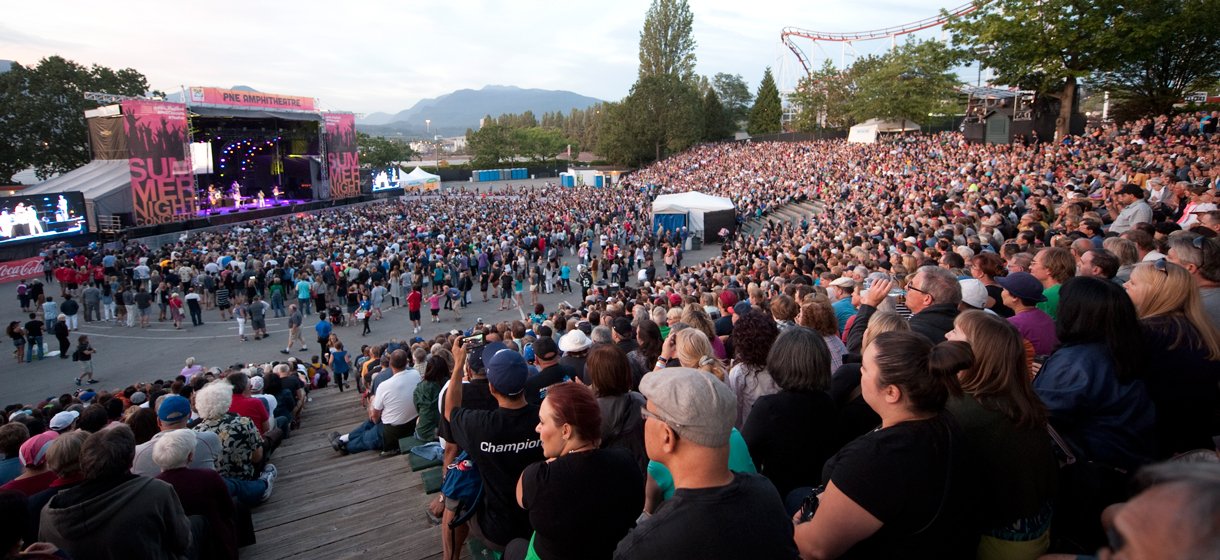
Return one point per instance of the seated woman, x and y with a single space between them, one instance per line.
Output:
35 475
792 432
242 445
1091 386
1005 424
611 378
201 491
855 416
1183 373
571 517
903 490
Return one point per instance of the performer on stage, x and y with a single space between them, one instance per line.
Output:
6 224
275 194
214 197
235 191
261 196
61 209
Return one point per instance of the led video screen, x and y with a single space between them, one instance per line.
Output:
29 217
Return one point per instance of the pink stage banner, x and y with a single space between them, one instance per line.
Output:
162 190
217 96
341 155
17 270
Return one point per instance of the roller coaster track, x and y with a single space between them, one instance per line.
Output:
789 33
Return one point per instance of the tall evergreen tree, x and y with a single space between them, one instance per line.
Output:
667 45
767 111
715 121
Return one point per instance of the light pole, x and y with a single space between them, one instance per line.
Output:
437 143
428 122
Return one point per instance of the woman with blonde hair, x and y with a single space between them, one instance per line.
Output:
695 316
1183 368
1005 423
855 416
693 350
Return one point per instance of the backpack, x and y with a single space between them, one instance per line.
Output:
464 484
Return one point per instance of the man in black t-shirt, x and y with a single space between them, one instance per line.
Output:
546 357
33 337
714 512
501 442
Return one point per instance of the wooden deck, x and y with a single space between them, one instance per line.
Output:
325 505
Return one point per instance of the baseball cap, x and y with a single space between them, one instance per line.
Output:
174 409
622 326
974 293
546 349
742 308
34 451
138 398
61 421
1022 285
256 383
728 299
696 405
506 371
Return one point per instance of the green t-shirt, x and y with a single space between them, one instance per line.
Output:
739 461
1051 305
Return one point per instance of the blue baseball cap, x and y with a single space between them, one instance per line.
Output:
506 369
174 409
1022 285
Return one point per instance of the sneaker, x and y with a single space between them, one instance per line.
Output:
268 476
283 351
334 440
304 348
393 453
78 382
91 381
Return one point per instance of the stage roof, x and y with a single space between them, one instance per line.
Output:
240 113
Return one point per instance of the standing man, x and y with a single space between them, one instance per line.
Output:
33 337
258 317
143 306
294 329
192 305
92 297
323 329
303 296
414 299
129 304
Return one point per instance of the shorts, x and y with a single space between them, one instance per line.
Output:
19 342
436 312
260 325
505 294
144 312
352 308
414 314
222 307
533 287
86 366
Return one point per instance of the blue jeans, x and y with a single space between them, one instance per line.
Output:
304 305
248 492
277 304
366 437
31 342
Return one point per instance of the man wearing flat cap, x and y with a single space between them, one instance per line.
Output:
714 512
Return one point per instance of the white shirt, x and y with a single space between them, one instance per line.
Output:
395 398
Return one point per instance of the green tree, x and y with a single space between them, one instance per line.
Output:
42 121
767 111
621 129
377 152
540 144
1167 46
715 121
823 99
911 82
1042 45
667 45
735 95
490 144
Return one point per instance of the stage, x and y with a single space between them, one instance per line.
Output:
246 207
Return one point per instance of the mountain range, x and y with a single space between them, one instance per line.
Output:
453 113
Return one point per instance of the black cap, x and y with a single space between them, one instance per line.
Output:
1132 189
622 326
546 349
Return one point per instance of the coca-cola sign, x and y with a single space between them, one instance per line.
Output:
17 270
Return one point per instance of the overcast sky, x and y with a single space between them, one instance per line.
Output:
383 55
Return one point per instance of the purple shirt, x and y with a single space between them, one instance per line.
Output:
1038 328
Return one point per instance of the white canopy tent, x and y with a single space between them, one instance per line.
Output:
866 132
695 207
421 180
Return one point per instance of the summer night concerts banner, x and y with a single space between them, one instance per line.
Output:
216 96
161 184
341 156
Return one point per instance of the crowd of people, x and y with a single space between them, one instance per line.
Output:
973 352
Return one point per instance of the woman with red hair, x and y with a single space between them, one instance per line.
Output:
582 500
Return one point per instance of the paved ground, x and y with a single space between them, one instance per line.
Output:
127 355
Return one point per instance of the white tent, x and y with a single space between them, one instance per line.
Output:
693 206
421 180
866 132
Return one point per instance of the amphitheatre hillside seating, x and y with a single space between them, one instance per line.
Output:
791 212
330 506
